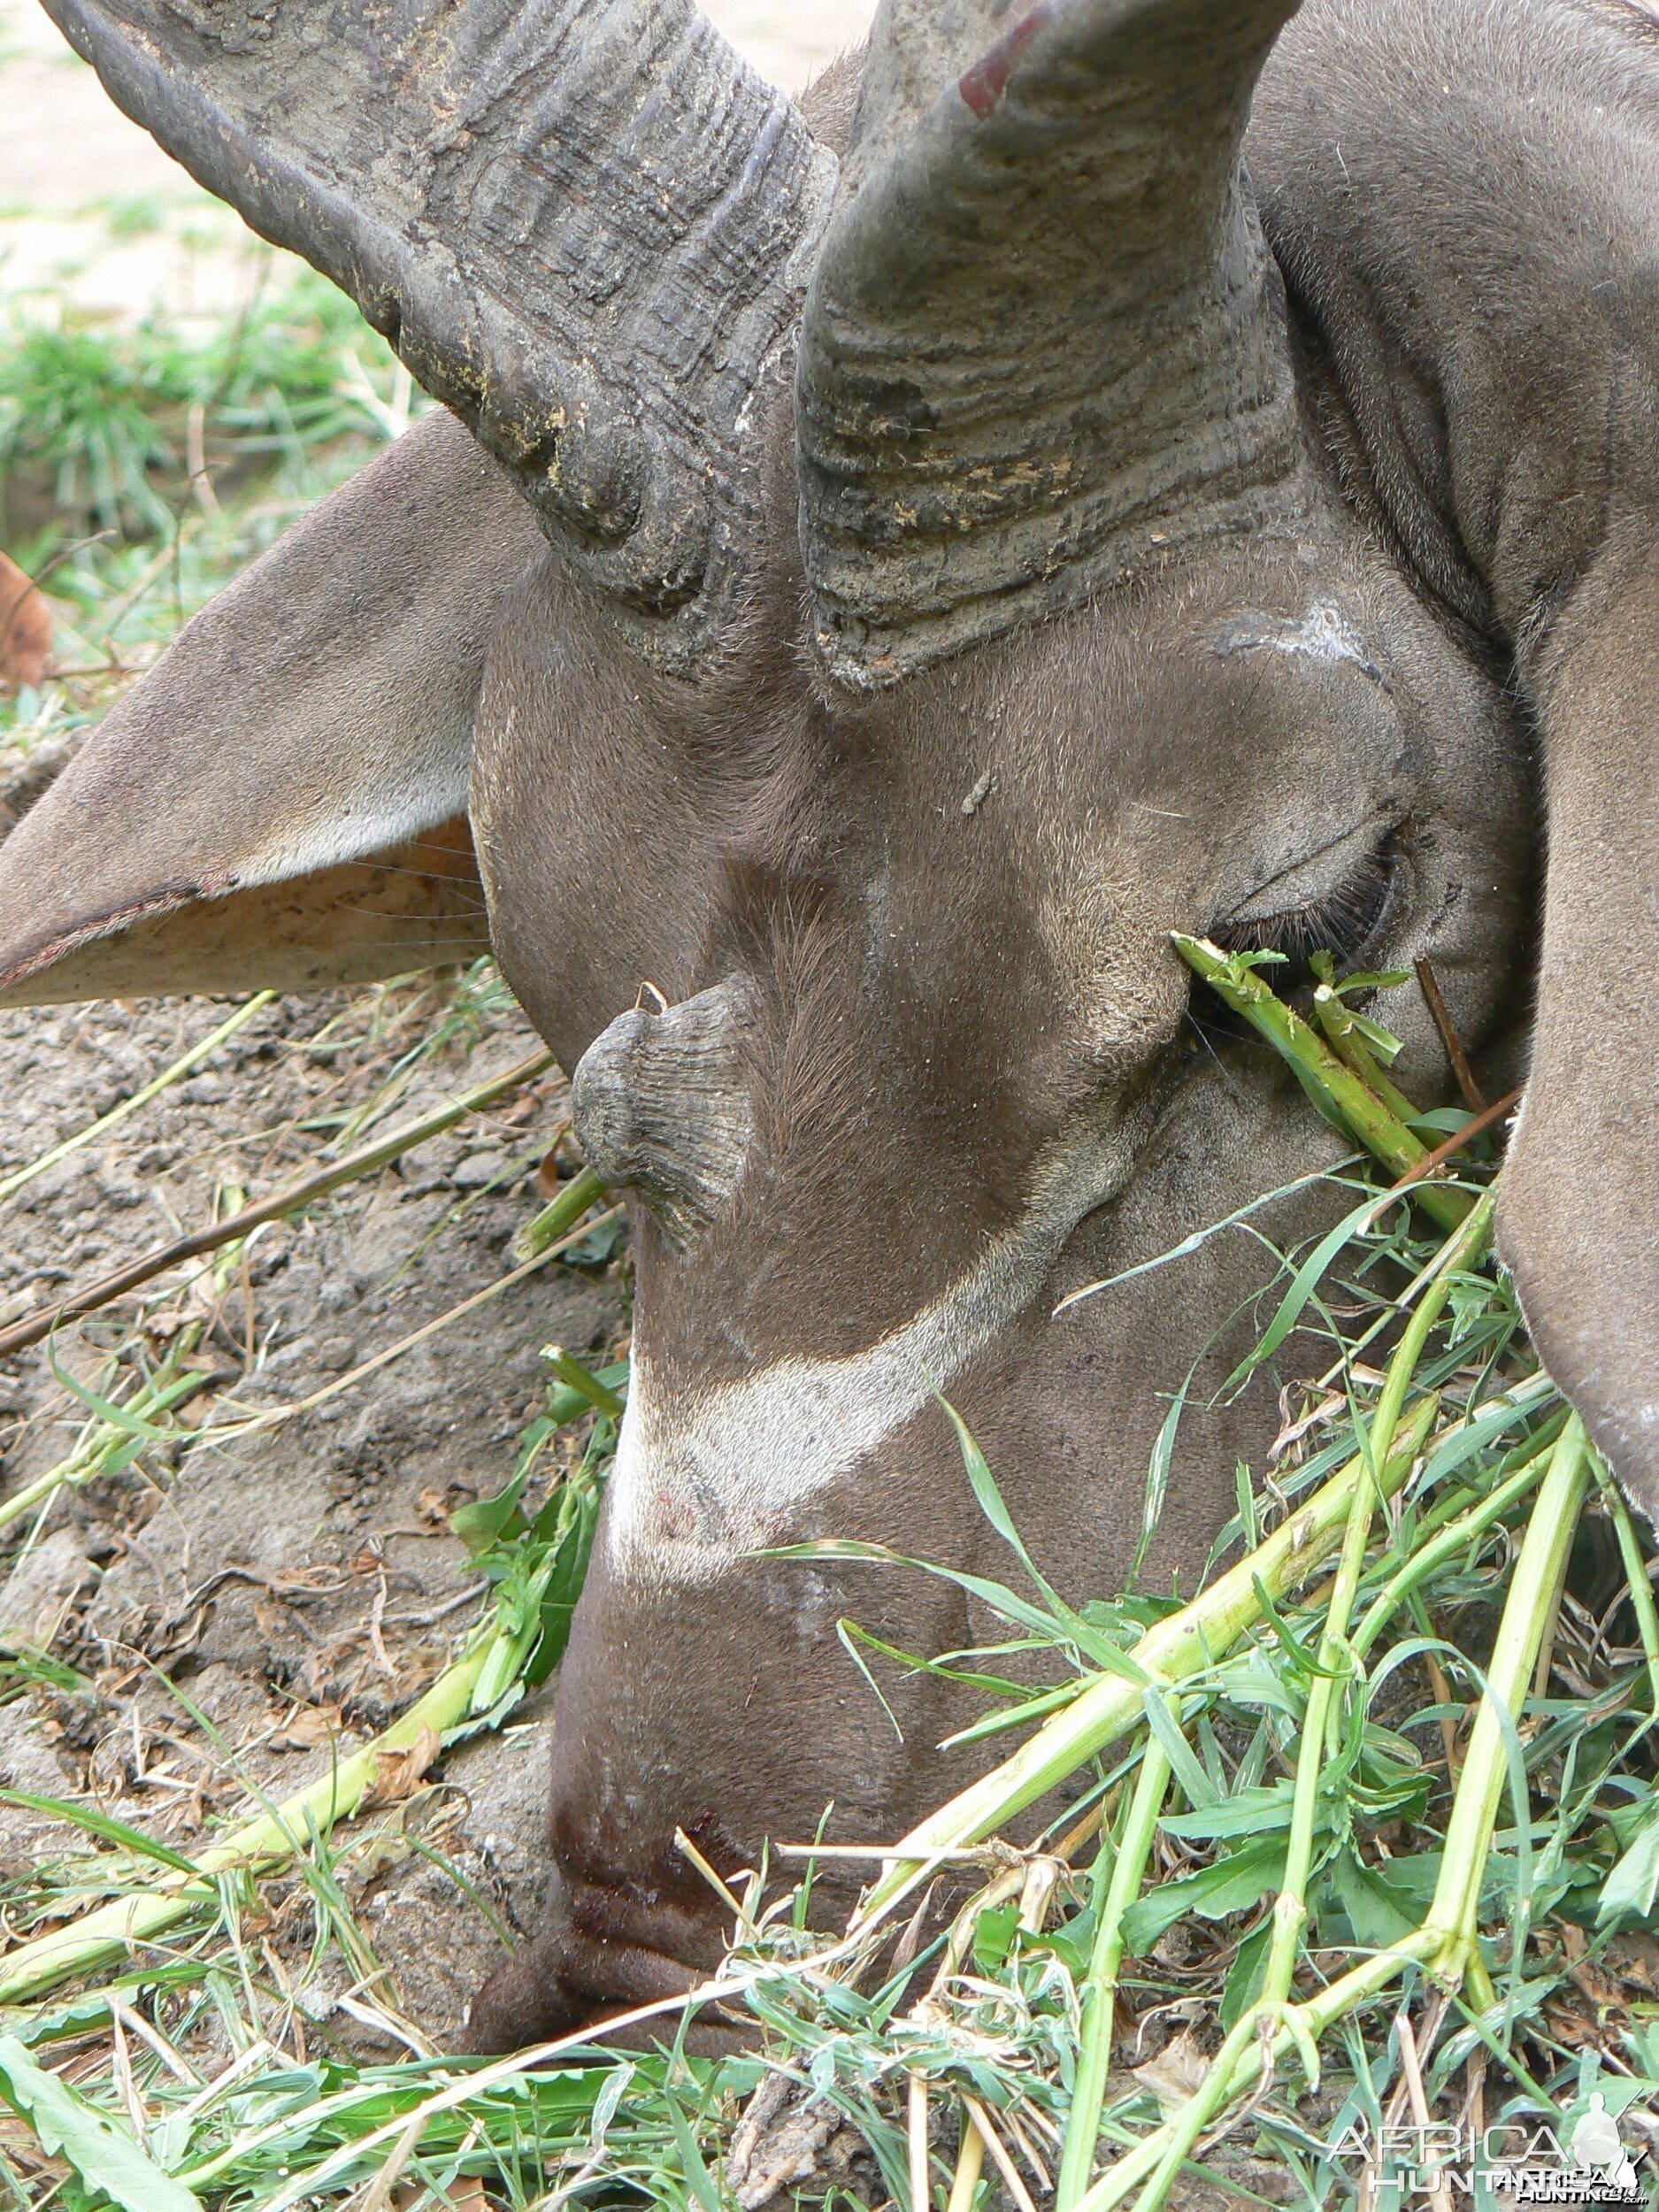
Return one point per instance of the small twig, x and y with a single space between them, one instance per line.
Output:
722 1890
122 2068
1450 1037
376 1641
196 457
916 2143
980 2121
1443 1697
1438 2195
1458 1139
378 2189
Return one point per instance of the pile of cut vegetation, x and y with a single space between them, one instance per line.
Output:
1355 1884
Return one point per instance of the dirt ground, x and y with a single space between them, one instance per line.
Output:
299 1583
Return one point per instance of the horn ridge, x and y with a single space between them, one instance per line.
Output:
585 225
1045 344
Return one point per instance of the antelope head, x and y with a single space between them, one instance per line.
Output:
881 563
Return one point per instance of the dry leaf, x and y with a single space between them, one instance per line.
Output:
399 1774
26 628
1177 2073
308 1725
1635 1959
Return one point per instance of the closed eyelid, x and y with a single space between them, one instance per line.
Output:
1364 843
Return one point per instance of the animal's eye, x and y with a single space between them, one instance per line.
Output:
1341 921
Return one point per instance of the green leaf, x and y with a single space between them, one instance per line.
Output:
1070 1624
104 2156
1245 1974
1252 1812
1630 1888
1376 1911
993 1935
102 1824
487 1520
117 1417
1157 1483
1303 1285
1231 1883
699 2180
1197 1785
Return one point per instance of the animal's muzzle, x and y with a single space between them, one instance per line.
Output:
608 1949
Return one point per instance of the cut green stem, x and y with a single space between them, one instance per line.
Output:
1110 1704
1454 1537
1099 1987
1322 1717
1343 1035
1445 1943
1378 1126
1527 1612
582 1191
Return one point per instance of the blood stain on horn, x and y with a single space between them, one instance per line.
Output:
984 84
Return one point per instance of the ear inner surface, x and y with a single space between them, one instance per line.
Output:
1044 344
317 715
418 905
585 225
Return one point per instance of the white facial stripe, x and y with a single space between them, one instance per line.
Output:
702 1479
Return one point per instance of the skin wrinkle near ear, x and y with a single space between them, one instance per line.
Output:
702 1480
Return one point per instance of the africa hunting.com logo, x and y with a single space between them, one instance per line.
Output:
1508 2164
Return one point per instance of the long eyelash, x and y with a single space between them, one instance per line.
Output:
1339 924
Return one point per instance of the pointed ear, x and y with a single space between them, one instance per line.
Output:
1579 1201
281 799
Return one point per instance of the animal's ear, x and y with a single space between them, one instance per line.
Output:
1578 1200
1044 344
281 799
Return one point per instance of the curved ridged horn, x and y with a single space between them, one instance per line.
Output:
1044 342
585 225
